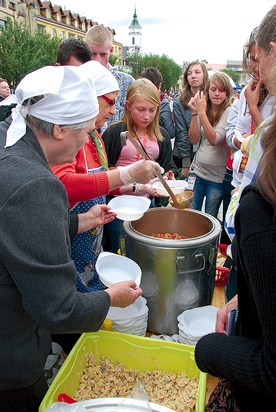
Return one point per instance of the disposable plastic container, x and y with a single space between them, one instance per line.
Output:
141 353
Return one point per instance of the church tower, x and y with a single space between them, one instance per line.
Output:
135 35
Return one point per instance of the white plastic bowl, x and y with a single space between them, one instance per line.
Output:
132 320
113 268
195 323
129 207
198 321
135 310
177 186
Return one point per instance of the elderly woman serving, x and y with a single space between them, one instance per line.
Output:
56 109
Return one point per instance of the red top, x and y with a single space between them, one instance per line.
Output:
229 161
80 185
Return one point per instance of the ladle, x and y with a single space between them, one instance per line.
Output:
140 148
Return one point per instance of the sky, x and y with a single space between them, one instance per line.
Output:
184 31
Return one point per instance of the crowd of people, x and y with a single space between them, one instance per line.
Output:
62 158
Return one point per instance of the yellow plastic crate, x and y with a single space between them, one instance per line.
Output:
141 353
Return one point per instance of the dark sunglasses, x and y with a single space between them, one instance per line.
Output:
111 102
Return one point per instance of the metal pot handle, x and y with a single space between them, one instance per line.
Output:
180 263
122 242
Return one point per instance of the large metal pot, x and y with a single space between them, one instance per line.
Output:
176 274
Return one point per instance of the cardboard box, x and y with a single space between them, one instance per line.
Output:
141 353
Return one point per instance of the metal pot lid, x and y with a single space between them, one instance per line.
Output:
112 404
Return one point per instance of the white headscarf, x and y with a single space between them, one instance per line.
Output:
103 79
68 98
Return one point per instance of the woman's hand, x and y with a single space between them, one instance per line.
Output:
141 171
221 319
252 93
145 190
96 216
198 103
222 314
235 191
123 294
192 106
169 175
184 172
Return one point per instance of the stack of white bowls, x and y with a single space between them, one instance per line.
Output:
133 319
195 323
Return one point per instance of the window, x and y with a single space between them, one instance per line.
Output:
53 32
41 28
62 34
12 4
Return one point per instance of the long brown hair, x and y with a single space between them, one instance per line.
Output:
146 89
246 63
267 178
221 81
267 30
186 92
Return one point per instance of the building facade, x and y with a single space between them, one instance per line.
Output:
53 20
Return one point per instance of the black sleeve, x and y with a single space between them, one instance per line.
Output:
112 142
166 118
73 227
165 158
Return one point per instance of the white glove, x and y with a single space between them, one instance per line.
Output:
146 189
141 172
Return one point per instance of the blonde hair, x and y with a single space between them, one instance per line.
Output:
146 89
99 35
221 81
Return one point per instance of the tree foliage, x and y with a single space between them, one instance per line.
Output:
169 69
114 60
233 74
22 52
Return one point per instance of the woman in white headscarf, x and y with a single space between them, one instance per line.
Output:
37 276
84 180
77 179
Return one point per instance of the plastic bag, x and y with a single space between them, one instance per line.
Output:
138 399
65 407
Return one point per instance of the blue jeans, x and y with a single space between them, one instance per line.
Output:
213 193
227 188
112 233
